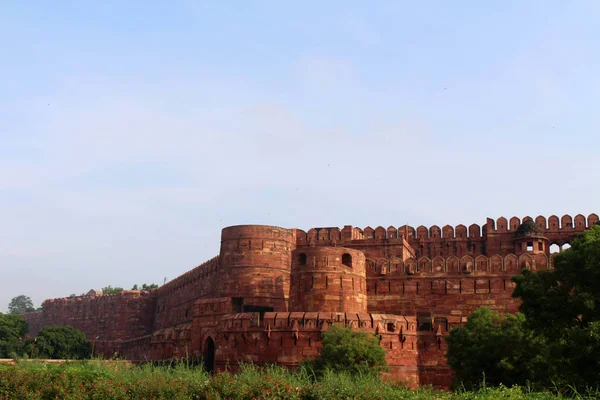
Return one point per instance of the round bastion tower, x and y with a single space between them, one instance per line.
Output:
255 265
328 279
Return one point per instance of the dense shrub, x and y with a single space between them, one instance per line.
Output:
60 342
348 351
12 330
554 342
563 305
86 380
499 349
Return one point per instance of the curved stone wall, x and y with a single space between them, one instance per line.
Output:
328 279
255 265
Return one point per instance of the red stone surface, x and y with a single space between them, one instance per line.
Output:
322 282
272 292
256 265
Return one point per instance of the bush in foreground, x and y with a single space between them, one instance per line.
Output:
498 348
554 342
562 305
115 380
12 329
350 352
61 343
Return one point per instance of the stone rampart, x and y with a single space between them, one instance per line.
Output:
272 292
111 317
175 300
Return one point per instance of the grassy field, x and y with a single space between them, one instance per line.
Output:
102 380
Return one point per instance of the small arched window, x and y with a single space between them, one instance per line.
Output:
347 260
301 259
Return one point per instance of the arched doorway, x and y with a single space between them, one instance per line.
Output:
208 355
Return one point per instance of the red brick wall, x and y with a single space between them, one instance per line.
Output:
112 317
401 276
256 265
321 282
289 338
175 300
494 237
399 283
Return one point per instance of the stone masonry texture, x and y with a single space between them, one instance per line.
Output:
271 293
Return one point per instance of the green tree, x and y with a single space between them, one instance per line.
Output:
12 330
499 349
111 290
61 342
554 341
20 304
145 286
150 286
563 305
345 350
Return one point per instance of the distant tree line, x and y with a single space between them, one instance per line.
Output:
117 289
114 290
145 286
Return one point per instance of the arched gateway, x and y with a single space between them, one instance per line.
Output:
208 355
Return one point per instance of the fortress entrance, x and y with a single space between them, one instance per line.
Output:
208 356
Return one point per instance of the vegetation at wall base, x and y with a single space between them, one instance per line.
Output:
12 331
347 351
82 380
52 342
554 342
59 343
499 348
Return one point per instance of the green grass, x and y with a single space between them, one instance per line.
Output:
117 380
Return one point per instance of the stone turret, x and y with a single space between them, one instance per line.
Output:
529 238
328 279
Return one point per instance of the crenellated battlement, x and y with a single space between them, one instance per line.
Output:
494 237
207 269
554 224
272 293
320 321
64 301
109 316
393 234
287 338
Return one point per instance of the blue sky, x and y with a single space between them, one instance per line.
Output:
130 134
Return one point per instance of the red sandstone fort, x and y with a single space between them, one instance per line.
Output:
272 292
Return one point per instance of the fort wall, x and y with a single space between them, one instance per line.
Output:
328 279
272 292
452 285
494 237
290 337
175 300
256 265
111 317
